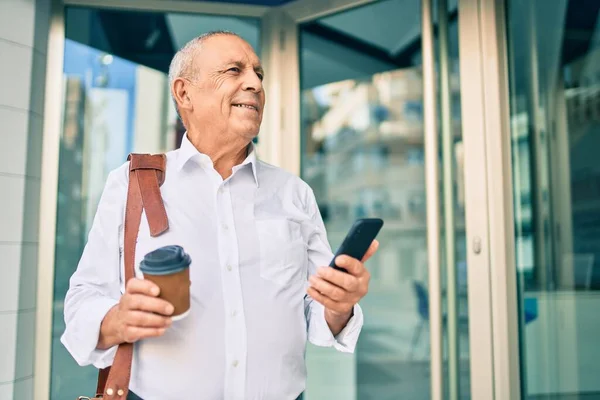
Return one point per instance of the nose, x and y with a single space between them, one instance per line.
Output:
252 82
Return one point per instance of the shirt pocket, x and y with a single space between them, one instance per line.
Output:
283 251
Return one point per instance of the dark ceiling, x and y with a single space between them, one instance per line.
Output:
359 42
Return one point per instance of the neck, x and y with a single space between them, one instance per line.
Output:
224 153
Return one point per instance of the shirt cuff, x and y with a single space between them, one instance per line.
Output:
81 335
319 333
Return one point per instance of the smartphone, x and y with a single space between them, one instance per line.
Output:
358 239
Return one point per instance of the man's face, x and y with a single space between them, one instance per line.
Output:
227 94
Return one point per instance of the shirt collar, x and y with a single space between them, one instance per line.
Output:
187 151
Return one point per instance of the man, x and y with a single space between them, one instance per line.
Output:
257 243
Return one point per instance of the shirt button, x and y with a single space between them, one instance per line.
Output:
225 227
235 363
233 313
229 268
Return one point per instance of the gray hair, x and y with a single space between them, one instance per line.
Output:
182 65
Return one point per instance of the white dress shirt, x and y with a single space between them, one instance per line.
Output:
254 239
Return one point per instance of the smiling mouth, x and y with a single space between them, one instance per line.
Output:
246 106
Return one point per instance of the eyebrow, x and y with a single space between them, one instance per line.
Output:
257 67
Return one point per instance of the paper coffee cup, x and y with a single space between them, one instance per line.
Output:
168 268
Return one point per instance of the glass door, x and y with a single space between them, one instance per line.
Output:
380 118
532 173
554 67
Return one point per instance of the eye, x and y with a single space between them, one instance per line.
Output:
235 69
260 76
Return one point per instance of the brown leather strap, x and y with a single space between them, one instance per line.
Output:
102 378
152 201
146 174
154 162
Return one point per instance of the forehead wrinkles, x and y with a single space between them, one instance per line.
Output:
204 57
222 50
217 54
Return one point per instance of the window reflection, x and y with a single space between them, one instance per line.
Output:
556 170
363 155
555 124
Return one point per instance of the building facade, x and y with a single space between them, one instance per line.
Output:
472 127
24 29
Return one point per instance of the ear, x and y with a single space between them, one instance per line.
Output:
181 93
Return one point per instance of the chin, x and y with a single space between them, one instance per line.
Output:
249 132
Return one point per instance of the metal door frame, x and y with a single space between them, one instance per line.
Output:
493 312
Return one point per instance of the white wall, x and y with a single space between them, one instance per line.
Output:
24 26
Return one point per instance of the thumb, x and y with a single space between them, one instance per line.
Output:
372 250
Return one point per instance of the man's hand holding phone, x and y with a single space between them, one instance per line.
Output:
339 291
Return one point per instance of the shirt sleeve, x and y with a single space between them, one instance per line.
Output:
319 254
95 286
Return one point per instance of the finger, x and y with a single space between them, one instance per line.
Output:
141 302
133 334
344 280
142 286
142 319
372 250
324 300
352 265
327 289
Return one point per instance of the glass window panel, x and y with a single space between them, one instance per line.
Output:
363 155
554 48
